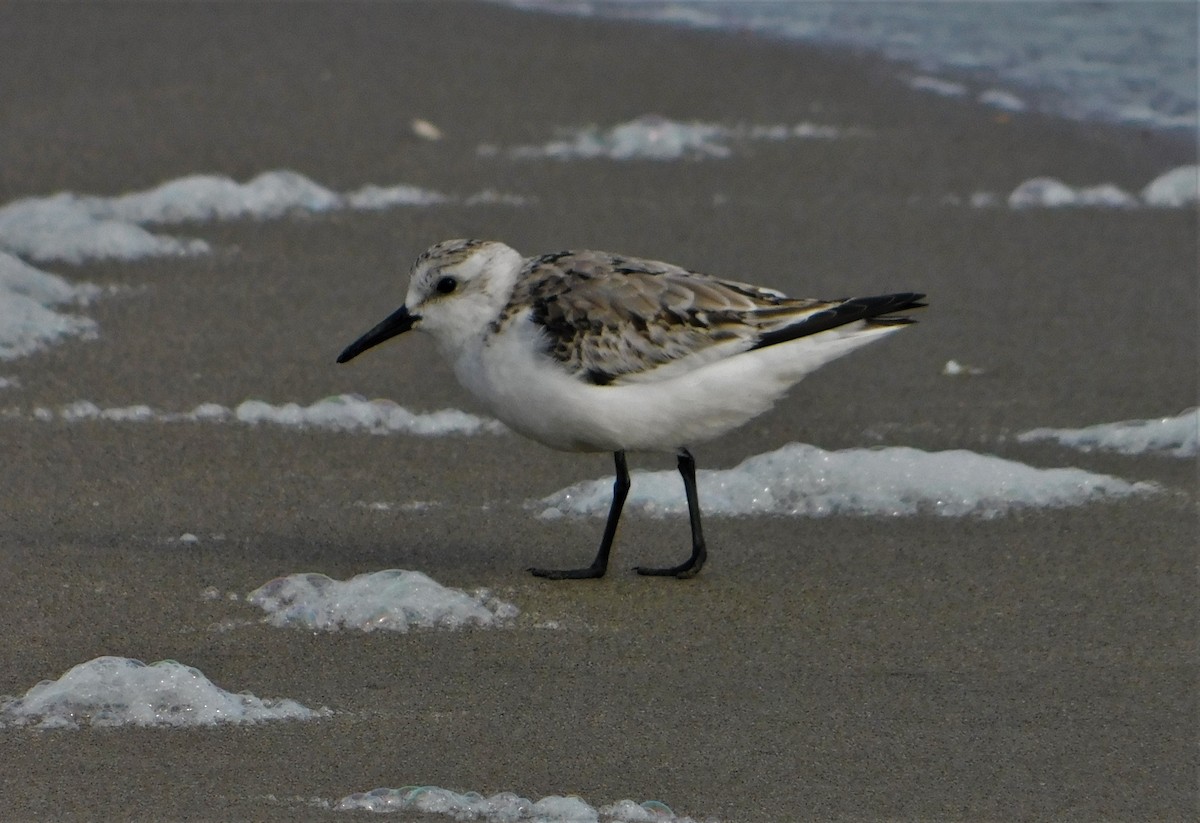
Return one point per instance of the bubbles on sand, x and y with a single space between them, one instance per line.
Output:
938 86
119 691
1177 436
1177 188
955 369
77 227
393 600
1003 100
806 481
1174 189
74 228
651 137
1050 192
348 412
29 303
343 412
506 807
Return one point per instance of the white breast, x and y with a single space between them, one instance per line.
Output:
532 394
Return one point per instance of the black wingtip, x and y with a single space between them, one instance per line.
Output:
884 304
878 310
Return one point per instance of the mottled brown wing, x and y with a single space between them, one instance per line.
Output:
608 317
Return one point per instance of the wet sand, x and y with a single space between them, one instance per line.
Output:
1040 666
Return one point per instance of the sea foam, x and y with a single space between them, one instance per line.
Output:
1177 188
651 137
1177 436
343 412
938 86
1003 100
392 600
1050 192
349 412
71 228
119 691
28 297
74 227
806 481
1129 62
506 807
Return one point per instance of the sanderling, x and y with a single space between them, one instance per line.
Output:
590 351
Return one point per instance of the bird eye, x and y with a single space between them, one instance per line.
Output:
446 285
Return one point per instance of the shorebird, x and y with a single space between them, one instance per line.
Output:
591 351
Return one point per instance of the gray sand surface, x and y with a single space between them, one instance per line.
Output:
1039 666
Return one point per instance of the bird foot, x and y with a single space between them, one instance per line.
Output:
683 571
589 573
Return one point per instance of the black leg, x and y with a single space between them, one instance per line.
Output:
691 567
600 564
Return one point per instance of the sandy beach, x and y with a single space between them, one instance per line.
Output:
1039 666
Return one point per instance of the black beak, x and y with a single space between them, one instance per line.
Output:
398 322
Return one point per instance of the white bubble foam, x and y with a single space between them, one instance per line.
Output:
347 412
506 807
651 137
118 691
944 88
955 369
1177 436
343 412
18 277
1174 189
378 505
205 197
491 197
425 130
73 227
86 410
806 481
27 320
385 197
1049 192
1000 99
393 600
384 506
